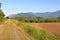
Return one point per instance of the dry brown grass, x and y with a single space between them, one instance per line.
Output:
20 28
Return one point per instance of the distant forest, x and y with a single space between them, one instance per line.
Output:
38 20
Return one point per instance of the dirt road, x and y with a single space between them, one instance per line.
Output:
9 32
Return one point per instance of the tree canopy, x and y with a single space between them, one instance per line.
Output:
0 5
1 14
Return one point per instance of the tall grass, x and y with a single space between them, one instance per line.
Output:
40 34
2 21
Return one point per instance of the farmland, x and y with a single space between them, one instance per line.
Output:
48 31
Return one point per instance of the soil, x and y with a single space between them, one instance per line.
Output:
53 28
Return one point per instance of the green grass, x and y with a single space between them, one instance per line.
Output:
40 34
2 21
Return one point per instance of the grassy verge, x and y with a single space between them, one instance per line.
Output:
40 34
2 21
36 33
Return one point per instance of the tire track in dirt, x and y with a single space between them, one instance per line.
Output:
3 28
16 33
9 32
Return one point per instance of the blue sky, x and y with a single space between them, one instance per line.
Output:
17 6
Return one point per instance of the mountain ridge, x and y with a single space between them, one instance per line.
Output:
55 14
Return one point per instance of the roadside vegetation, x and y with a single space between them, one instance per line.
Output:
37 34
40 34
1 16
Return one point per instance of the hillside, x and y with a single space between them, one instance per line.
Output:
29 14
55 14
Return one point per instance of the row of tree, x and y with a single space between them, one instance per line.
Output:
38 20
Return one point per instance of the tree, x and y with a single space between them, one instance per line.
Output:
1 14
0 5
7 17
